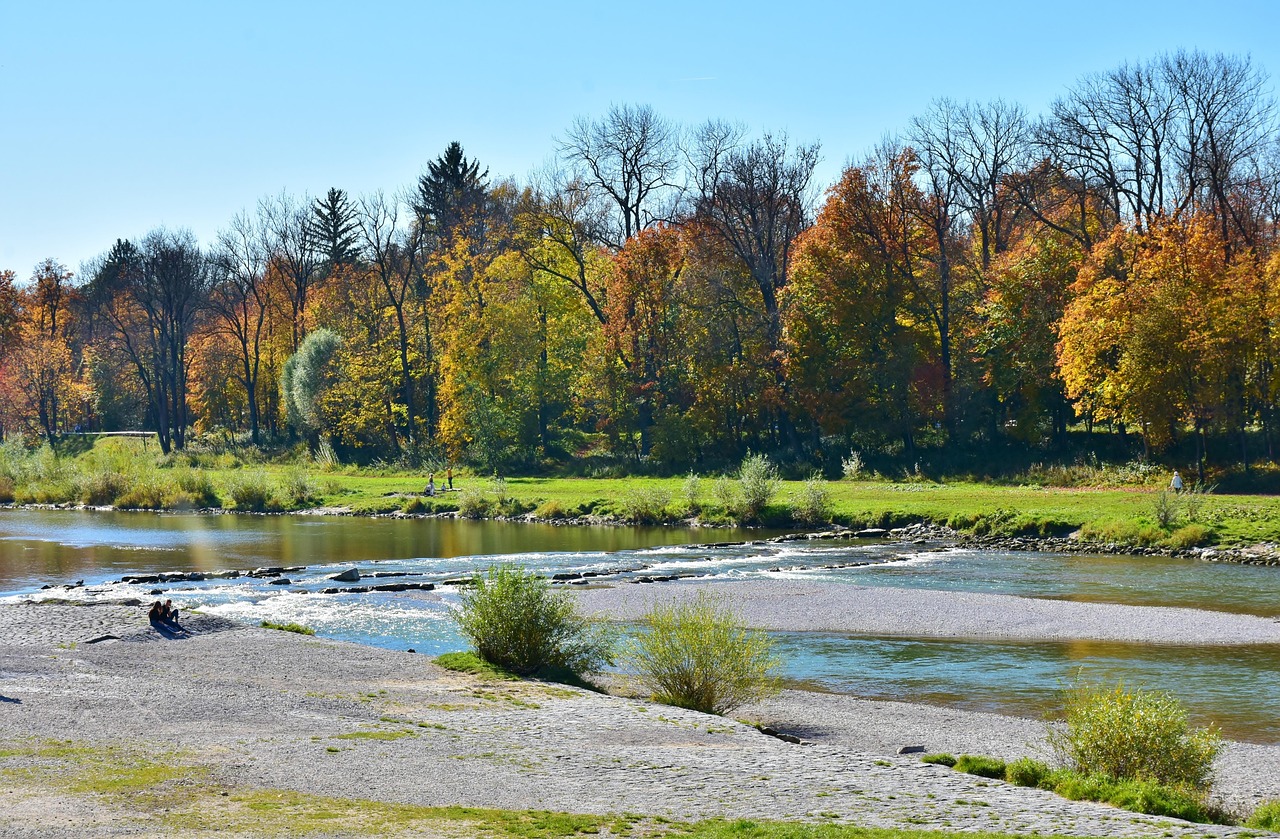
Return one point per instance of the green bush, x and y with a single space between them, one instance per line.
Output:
145 494
414 505
252 492
298 489
1266 816
646 505
6 489
698 655
514 619
758 482
812 504
1026 772
692 492
985 767
1190 536
551 510
102 488
196 487
474 503
940 758
1138 735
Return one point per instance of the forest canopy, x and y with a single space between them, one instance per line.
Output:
677 296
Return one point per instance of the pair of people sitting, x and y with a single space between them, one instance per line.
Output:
164 615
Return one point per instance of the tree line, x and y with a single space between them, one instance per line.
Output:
681 295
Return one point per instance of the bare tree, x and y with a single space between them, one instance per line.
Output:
159 288
240 297
757 198
297 254
630 157
394 250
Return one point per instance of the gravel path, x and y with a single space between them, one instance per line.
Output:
268 710
799 606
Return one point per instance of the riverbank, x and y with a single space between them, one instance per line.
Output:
107 729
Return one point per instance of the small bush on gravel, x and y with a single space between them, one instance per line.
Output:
1266 816
515 620
940 758
980 765
1026 772
698 655
1125 734
289 627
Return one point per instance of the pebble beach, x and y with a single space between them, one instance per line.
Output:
258 709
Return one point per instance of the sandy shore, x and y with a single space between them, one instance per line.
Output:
252 710
799 606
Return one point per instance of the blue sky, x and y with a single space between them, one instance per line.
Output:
116 117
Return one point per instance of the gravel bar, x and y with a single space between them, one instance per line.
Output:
808 607
263 709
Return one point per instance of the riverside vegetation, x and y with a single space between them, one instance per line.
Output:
1106 504
1132 748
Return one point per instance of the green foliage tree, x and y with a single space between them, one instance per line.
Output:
306 375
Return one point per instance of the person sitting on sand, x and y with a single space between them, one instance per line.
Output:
170 615
156 615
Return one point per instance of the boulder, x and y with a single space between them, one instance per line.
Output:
351 575
910 750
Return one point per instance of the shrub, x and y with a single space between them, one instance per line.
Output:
143 495
551 510
197 487
474 503
289 627
101 488
851 467
1190 536
758 481
1026 772
6 489
646 505
252 492
414 505
692 492
698 655
1165 508
940 758
1266 816
1134 735
727 495
515 620
812 505
985 767
298 488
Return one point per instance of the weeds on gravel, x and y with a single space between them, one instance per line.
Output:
515 620
289 627
698 655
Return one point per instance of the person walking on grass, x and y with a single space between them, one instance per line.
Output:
1176 483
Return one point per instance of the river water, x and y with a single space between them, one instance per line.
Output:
1236 687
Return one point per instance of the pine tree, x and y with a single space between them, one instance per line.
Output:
452 194
334 226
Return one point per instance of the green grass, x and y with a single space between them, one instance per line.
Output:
289 627
1124 514
469 662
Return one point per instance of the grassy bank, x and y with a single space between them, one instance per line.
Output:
128 474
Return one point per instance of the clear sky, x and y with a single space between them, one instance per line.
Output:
118 116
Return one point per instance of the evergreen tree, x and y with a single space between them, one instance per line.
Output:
452 194
335 229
